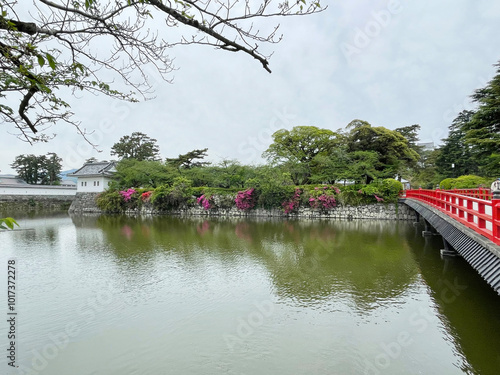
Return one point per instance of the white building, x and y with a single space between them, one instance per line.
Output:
94 177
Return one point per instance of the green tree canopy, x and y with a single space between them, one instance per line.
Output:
42 169
189 160
393 149
362 166
457 157
297 148
411 134
137 146
52 168
482 131
301 144
145 173
46 45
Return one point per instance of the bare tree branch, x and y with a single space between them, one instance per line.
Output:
56 44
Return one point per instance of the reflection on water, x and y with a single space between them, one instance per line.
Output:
154 295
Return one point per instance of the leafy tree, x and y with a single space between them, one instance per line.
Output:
457 157
426 174
187 161
230 173
145 173
327 168
393 149
28 168
41 169
297 148
273 185
362 167
51 165
137 146
411 134
53 44
483 129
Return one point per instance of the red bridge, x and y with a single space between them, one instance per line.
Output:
469 223
474 208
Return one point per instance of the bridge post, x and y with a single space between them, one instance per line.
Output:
495 209
448 250
428 229
418 218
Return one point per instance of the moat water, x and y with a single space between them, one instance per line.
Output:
195 296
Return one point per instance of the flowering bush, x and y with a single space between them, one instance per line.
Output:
324 201
292 204
204 201
146 196
245 200
127 194
324 197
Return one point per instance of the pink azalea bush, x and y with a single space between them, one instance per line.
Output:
292 204
127 194
324 198
324 201
245 200
204 201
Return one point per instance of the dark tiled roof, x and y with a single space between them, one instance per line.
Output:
93 169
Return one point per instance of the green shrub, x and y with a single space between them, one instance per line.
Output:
390 189
273 195
110 201
180 194
351 198
468 182
446 184
464 182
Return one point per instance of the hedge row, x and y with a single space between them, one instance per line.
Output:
181 194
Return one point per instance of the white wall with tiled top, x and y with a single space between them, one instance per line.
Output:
36 190
93 184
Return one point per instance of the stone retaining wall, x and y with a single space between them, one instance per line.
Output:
378 211
27 203
85 203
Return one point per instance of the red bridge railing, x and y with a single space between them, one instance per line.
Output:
474 208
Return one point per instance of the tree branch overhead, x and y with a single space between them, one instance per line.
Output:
54 45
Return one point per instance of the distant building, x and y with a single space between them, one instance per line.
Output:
427 146
94 177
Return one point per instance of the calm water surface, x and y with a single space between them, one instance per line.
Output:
166 295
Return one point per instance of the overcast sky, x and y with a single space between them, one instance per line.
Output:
391 63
